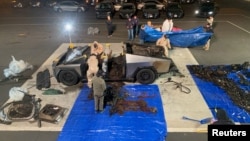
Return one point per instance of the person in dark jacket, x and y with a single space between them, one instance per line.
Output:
142 34
130 27
99 86
136 25
109 24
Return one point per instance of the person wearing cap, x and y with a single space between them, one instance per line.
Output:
99 86
165 43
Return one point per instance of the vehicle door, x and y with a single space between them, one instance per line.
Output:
69 6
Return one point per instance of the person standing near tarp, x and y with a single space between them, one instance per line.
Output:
167 25
99 86
130 28
165 43
210 20
105 56
92 68
208 28
109 25
142 34
136 25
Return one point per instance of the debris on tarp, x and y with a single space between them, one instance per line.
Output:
227 78
185 38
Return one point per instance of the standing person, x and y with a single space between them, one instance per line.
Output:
92 68
165 43
105 57
99 86
136 25
208 28
167 25
109 24
142 34
210 20
130 26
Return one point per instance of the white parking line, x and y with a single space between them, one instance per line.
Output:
241 28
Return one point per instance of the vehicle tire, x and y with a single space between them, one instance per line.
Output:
59 10
68 77
145 76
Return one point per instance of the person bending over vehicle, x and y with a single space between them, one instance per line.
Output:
96 48
165 43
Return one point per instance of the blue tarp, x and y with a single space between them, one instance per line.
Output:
216 97
83 124
185 38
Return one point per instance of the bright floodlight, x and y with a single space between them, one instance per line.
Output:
68 27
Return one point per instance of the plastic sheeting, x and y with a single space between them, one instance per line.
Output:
216 97
185 38
83 124
16 67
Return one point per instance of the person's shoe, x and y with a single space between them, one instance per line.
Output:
206 49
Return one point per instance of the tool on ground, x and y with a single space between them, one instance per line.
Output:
202 121
179 85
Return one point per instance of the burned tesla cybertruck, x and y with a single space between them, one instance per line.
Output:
70 68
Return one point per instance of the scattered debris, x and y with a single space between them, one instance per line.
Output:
52 92
16 67
218 74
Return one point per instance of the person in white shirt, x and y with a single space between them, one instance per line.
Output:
167 25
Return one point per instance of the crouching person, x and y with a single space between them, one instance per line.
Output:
165 43
99 86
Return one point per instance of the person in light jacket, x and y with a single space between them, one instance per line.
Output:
99 87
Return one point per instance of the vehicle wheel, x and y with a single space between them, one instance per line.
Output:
145 76
59 10
68 77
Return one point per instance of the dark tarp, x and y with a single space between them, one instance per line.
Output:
217 97
185 38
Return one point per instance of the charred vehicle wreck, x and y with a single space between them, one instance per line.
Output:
137 63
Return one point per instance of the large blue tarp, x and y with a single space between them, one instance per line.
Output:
216 97
83 124
195 37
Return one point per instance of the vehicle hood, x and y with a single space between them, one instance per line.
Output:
126 11
151 10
